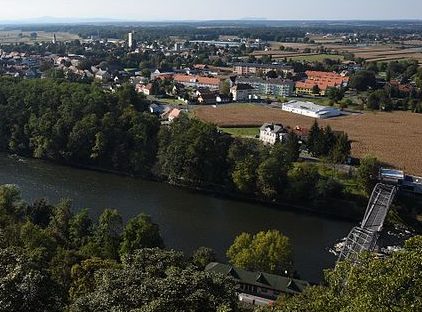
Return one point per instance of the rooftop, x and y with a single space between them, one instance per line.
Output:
310 106
259 279
272 127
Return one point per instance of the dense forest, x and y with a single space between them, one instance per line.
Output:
82 125
52 259
79 124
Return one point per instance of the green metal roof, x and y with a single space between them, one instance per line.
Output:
260 279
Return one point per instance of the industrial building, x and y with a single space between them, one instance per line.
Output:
310 109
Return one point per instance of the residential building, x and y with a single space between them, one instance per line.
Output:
266 87
259 284
272 133
146 89
195 81
242 92
256 69
102 75
319 82
211 98
311 109
174 114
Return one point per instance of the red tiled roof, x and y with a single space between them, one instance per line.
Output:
184 78
310 84
326 76
208 81
197 79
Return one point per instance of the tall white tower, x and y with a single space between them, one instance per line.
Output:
130 40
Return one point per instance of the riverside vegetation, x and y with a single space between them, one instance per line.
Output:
52 259
82 125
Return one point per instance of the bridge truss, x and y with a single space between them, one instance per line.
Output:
365 236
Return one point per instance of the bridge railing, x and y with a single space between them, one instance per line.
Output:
365 237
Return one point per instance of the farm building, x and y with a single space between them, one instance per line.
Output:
311 109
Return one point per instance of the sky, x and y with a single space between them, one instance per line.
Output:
149 10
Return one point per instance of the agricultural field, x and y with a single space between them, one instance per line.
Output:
317 57
395 138
377 52
17 36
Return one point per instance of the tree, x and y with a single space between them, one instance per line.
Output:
368 173
11 204
271 177
83 275
353 288
244 174
302 178
140 233
265 251
156 280
107 236
40 212
80 229
272 74
193 152
225 87
342 149
203 256
363 80
272 172
316 90
59 224
335 94
329 188
292 147
315 140
25 285
329 140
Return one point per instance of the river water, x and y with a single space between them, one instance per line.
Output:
187 220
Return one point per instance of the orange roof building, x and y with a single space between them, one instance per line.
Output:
324 81
198 81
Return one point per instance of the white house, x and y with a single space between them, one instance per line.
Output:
241 92
271 133
311 109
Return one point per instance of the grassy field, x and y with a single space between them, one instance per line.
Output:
317 57
17 36
172 102
242 132
395 138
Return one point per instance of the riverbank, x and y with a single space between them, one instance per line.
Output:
333 208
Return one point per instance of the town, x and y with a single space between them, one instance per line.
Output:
240 165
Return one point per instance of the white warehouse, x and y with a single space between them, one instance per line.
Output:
311 109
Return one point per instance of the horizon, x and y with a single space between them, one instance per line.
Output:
217 10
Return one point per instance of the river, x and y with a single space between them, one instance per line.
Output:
187 219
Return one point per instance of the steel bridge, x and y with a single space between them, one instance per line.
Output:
365 236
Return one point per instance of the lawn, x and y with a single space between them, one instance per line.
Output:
172 102
242 132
